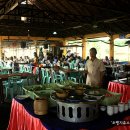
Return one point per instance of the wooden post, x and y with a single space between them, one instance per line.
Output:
112 38
111 46
64 44
84 43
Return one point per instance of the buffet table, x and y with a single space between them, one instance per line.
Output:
118 87
22 117
4 77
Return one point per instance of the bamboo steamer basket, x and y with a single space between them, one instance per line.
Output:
40 106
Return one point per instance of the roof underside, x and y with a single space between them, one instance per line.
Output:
66 17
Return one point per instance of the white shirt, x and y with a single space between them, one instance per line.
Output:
94 68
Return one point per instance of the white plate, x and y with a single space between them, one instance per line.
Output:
22 96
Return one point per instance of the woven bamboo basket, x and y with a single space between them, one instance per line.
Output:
40 106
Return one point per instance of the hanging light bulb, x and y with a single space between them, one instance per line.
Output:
54 33
23 19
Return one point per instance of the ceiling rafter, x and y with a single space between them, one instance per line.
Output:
39 4
64 15
75 8
99 7
60 13
57 9
10 5
63 6
2 3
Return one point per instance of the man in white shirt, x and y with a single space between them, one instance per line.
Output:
95 70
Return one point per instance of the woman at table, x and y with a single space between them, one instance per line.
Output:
35 61
111 61
95 70
106 61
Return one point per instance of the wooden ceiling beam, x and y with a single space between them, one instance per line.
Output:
63 6
10 5
30 38
99 7
57 12
74 8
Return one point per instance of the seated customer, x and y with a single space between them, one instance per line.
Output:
111 61
35 61
106 61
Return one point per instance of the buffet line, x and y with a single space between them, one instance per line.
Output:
75 102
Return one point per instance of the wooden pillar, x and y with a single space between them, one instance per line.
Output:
111 46
112 38
64 44
84 44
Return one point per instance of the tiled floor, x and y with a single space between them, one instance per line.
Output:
4 115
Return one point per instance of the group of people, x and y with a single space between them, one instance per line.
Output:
108 61
93 66
58 60
9 62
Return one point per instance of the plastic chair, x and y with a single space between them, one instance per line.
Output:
31 80
76 77
54 79
71 65
29 69
57 77
48 76
63 75
4 71
43 76
13 83
21 68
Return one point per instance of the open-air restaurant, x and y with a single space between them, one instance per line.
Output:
64 65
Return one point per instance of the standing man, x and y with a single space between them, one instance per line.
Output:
95 70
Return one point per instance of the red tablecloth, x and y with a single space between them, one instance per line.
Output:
120 88
20 119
